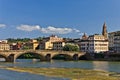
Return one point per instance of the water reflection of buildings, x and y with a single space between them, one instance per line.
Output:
101 65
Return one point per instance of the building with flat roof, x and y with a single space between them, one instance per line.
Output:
58 45
95 43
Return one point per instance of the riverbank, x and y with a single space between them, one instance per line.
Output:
71 73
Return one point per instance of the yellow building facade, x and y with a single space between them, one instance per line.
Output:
4 46
47 43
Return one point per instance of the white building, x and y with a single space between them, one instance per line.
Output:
114 41
95 43
84 45
117 43
3 41
111 40
58 45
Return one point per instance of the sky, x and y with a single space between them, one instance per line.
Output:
64 18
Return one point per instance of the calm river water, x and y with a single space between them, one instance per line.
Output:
12 75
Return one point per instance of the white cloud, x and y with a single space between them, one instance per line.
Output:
54 30
76 30
2 25
28 27
81 34
48 30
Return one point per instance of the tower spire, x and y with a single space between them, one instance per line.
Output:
104 30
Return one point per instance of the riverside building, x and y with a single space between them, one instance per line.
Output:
4 45
95 43
114 41
58 45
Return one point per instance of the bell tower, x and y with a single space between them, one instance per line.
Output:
104 31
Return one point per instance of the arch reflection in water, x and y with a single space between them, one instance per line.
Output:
2 59
28 57
101 65
62 57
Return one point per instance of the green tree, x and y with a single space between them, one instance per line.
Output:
71 47
25 47
11 40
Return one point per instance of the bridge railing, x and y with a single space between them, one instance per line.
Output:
31 50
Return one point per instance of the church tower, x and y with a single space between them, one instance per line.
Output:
104 31
84 37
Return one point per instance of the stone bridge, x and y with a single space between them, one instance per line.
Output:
45 55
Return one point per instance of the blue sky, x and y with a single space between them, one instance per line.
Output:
66 18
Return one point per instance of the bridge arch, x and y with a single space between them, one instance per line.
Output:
83 57
3 56
65 56
37 55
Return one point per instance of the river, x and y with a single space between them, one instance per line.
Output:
94 65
